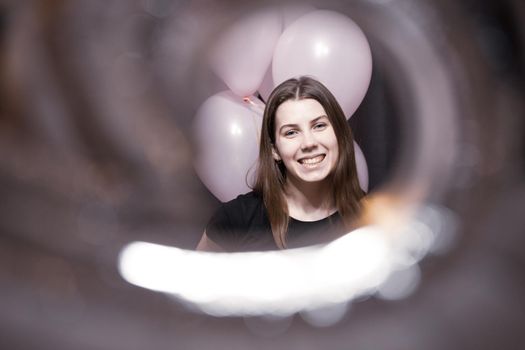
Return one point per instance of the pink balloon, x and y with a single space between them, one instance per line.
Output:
362 168
267 85
331 48
226 133
290 13
243 53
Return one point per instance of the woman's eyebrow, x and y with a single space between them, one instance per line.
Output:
288 126
313 121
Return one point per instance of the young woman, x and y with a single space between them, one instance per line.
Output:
306 190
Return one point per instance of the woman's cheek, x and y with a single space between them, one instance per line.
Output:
290 147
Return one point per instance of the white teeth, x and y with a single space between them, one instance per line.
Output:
311 161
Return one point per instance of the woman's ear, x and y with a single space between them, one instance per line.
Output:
275 154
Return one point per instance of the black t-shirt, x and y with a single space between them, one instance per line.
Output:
242 225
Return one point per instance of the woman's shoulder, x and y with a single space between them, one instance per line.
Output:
235 213
240 224
244 202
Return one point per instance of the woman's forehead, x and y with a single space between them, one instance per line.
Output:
297 111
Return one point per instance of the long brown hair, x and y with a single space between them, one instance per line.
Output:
271 175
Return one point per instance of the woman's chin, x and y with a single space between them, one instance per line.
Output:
312 177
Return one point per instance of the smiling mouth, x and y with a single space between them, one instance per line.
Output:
309 162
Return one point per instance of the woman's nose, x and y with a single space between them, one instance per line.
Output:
309 141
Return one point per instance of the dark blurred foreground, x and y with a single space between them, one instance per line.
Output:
96 102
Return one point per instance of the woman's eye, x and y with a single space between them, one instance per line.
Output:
320 126
290 133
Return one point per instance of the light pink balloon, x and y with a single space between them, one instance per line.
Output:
331 48
362 168
226 132
267 85
242 54
290 13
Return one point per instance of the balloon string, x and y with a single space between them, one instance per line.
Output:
252 104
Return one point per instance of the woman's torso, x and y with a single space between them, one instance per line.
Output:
242 225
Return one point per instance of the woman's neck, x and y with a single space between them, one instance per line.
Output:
309 201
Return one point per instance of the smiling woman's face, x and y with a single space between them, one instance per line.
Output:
305 141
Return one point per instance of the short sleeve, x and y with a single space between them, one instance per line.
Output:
241 225
221 230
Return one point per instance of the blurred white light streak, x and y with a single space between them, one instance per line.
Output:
444 225
400 284
361 263
325 316
414 242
